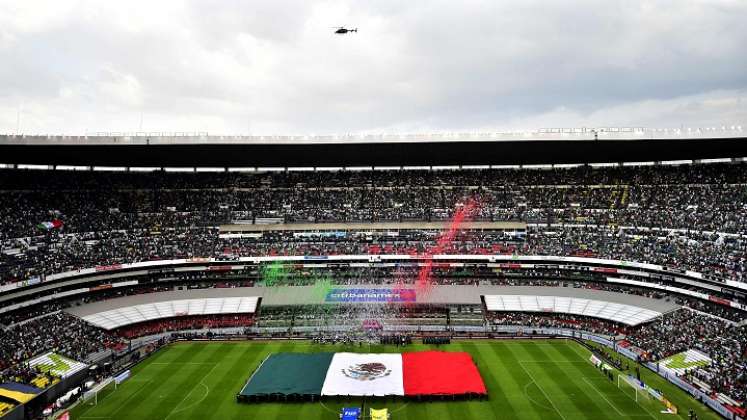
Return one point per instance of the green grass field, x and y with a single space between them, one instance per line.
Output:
527 379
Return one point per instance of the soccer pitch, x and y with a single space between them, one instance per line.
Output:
526 379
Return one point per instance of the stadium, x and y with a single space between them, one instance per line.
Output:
553 273
346 210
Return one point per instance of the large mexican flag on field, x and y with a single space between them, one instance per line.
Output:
366 374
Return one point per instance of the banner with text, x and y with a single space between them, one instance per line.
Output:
371 295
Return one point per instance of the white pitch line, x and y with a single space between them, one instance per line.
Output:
128 398
575 347
603 396
543 391
174 410
648 413
194 403
526 394
640 405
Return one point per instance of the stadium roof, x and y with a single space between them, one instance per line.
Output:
309 295
613 311
117 317
551 146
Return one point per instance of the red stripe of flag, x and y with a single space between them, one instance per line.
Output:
441 373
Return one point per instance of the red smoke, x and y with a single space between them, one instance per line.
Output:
464 214
424 282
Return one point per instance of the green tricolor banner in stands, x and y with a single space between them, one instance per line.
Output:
57 365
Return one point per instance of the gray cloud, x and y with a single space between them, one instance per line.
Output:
276 67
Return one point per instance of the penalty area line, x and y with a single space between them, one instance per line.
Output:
176 408
543 391
124 403
526 394
588 382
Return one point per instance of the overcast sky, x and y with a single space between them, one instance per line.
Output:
275 67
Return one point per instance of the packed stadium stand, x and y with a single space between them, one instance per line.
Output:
653 256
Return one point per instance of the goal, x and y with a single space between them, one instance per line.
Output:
91 397
632 388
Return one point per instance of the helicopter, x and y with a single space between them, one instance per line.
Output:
342 30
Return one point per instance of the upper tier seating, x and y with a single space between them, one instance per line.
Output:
125 217
705 253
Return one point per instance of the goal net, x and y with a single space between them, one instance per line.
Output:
632 388
644 394
91 397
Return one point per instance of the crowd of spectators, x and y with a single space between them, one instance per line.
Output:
182 323
724 343
710 197
114 218
710 254
25 374
378 275
672 333
542 320
58 332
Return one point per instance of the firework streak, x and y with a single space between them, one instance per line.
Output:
276 275
424 281
322 288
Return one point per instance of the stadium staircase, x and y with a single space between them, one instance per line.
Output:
41 382
5 408
613 198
